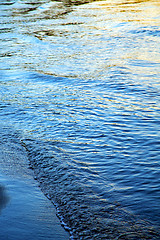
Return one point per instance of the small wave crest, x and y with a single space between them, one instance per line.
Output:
81 210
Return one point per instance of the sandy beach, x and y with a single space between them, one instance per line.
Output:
25 213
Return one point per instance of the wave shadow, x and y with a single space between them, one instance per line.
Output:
4 198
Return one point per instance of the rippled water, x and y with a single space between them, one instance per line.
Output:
80 84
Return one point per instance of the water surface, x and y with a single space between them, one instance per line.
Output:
80 85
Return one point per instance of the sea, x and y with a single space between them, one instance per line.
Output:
80 92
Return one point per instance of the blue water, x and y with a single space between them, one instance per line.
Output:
80 84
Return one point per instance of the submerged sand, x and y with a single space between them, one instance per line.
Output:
25 213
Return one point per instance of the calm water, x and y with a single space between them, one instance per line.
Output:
80 87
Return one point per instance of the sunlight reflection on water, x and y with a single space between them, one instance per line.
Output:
84 93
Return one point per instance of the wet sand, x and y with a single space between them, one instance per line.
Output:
25 213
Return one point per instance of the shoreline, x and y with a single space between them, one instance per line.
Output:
25 213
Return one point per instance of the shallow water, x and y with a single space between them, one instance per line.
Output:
25 213
80 86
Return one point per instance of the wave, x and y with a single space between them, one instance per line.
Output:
82 210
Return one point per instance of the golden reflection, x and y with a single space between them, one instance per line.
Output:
91 40
144 11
